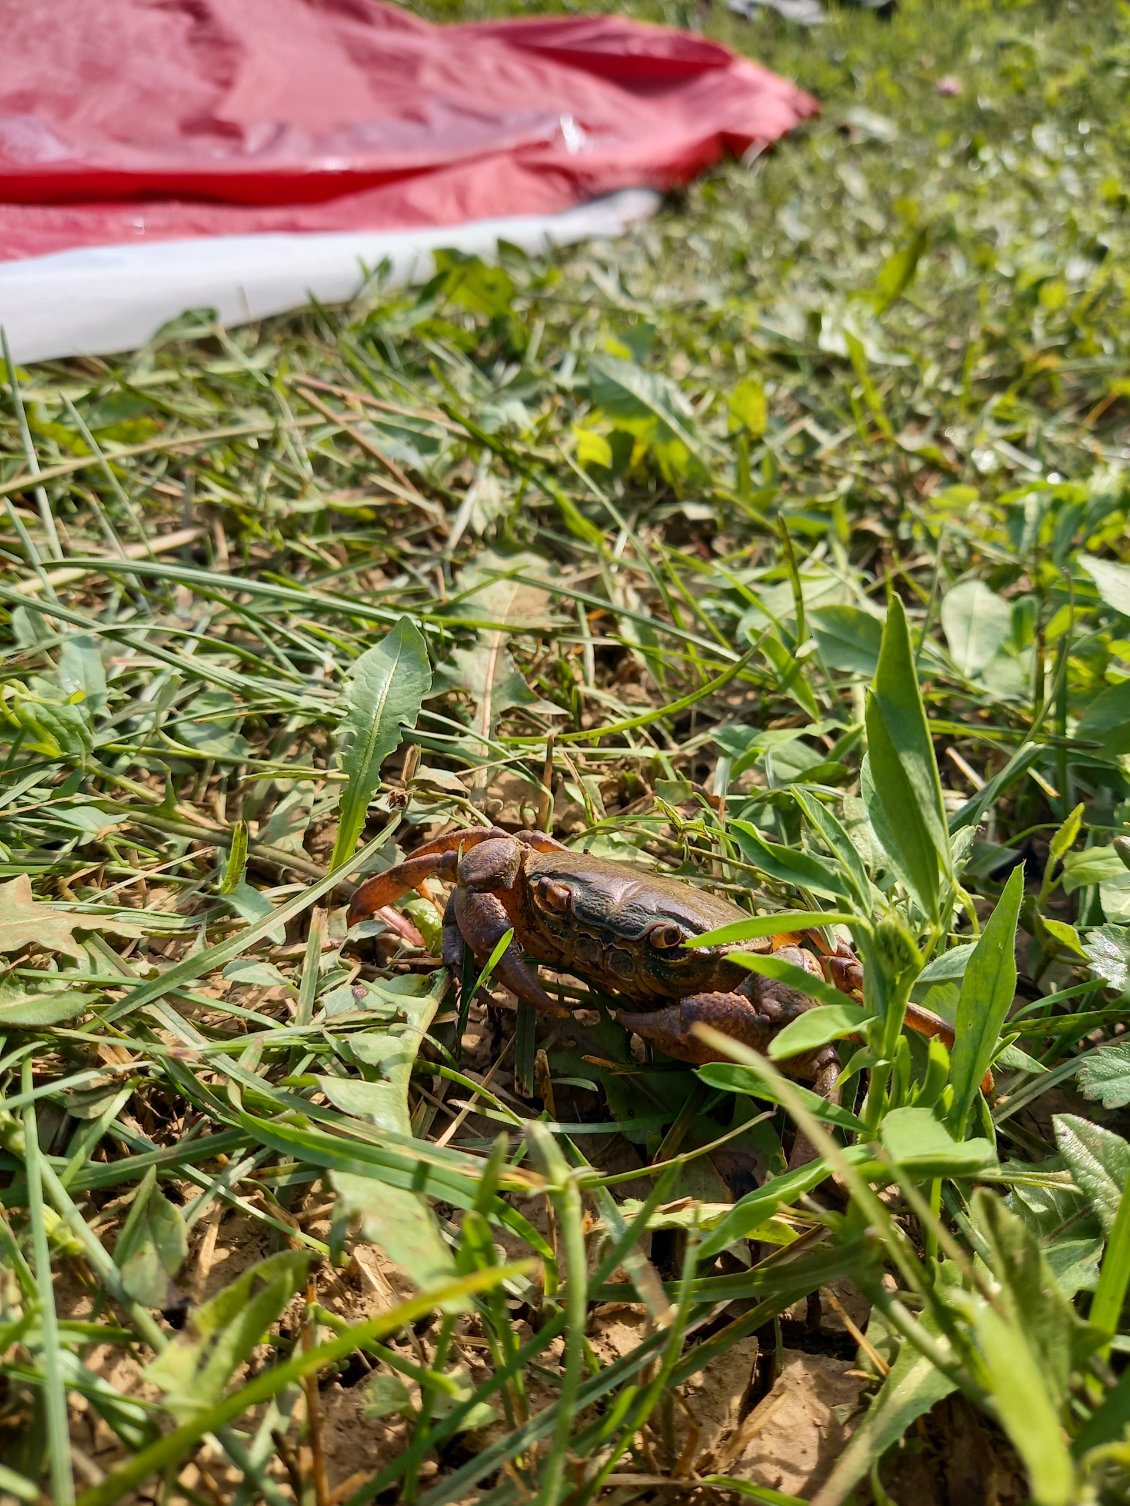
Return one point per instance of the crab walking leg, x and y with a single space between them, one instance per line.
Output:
483 922
437 858
673 1029
386 888
825 1068
453 946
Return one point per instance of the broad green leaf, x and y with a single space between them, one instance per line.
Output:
385 1395
976 621
897 272
988 988
397 1219
1106 721
771 965
1112 581
733 1077
769 925
949 964
918 1142
849 638
644 402
1114 896
800 869
81 673
1098 1159
253 972
1094 865
906 787
1023 1406
1105 1075
26 921
1066 935
815 1028
153 1244
1030 1295
199 1365
384 693
56 728
748 407
254 907
475 285
33 1011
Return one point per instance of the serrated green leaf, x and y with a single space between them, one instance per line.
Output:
1105 1075
1108 949
1064 839
384 694
1098 1159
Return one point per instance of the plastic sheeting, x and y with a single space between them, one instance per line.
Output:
111 298
133 122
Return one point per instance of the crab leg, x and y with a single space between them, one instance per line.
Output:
385 888
483 922
437 857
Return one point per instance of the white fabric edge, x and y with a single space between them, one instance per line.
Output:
100 300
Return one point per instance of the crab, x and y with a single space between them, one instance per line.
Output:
629 932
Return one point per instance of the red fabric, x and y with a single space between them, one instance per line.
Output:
126 120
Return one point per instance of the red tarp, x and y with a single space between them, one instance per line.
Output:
143 120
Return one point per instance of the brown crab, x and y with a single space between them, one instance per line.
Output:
625 930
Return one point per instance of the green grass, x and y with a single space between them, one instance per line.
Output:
662 499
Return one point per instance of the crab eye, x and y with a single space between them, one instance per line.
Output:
665 936
553 895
